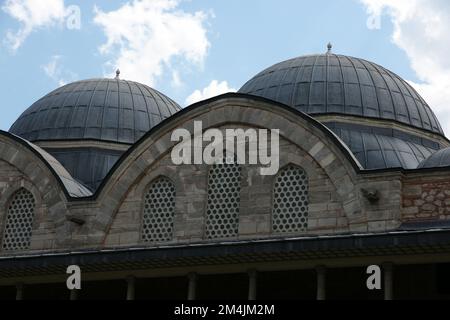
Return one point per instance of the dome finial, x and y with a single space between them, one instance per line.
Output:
117 74
329 47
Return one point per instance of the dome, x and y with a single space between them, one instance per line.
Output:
381 118
98 109
440 158
337 84
377 149
87 125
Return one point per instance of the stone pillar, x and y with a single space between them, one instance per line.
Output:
321 282
252 277
19 291
388 270
131 287
192 286
73 294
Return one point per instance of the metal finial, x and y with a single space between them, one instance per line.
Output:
117 74
329 46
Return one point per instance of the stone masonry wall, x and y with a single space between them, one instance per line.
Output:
426 197
326 214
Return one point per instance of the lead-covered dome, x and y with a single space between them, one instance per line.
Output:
87 125
332 83
381 118
440 158
100 109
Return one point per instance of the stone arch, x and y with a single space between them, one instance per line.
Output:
301 130
46 179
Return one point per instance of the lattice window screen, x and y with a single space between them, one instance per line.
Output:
159 206
290 201
222 213
19 221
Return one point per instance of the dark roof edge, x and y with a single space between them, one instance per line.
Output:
81 140
393 239
39 155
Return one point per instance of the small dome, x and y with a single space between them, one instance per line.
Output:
337 84
376 149
106 115
440 158
110 110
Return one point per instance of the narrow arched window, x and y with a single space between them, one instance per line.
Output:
222 212
19 221
290 200
159 207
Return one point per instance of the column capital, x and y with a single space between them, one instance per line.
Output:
321 269
252 272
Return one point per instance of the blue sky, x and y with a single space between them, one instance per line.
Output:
231 41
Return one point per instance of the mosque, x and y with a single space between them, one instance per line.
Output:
86 179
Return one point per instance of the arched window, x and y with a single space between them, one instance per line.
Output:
290 201
159 207
19 221
222 212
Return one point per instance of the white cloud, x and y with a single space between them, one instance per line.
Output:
32 14
145 37
55 71
422 30
176 80
215 88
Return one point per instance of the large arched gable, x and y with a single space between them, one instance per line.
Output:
233 109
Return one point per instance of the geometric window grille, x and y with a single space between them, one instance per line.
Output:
290 201
159 207
19 221
222 212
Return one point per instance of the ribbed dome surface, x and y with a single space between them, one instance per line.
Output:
440 158
378 149
100 109
331 83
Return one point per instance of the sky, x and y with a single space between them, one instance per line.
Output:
195 49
